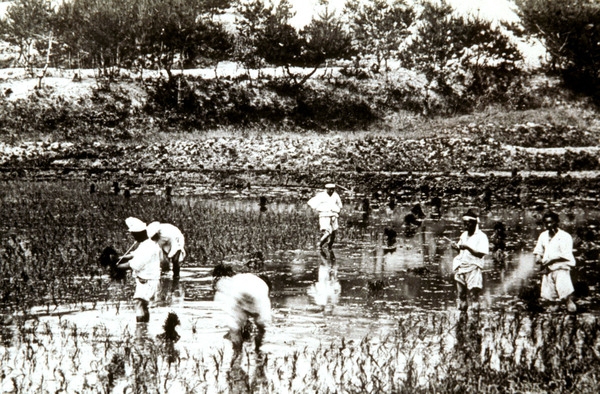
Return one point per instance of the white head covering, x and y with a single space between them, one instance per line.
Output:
330 186
470 215
135 225
153 229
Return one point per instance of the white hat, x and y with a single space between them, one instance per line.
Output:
470 215
330 186
153 229
135 225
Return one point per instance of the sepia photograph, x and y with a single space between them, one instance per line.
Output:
299 196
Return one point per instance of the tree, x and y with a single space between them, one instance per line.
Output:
463 59
69 31
379 27
265 35
177 33
173 32
278 43
215 7
106 29
215 44
252 17
324 39
28 25
570 31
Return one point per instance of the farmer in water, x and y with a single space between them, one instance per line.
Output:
242 296
473 245
145 263
328 204
172 243
554 252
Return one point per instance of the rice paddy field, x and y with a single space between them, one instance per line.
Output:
381 319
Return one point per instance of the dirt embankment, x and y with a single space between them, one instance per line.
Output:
372 160
472 148
450 165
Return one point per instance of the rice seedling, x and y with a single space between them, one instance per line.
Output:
560 354
53 236
51 258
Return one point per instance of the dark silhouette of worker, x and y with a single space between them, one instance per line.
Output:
436 207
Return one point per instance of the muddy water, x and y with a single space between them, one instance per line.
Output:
417 271
369 290
368 286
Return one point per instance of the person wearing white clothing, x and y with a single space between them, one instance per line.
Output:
241 297
144 261
473 245
554 252
328 204
172 243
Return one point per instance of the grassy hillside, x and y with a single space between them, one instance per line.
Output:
74 127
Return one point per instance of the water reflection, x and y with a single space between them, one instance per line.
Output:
326 291
414 271
239 377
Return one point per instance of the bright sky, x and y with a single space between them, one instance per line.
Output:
494 10
488 9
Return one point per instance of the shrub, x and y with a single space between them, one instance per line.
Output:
208 103
570 31
466 61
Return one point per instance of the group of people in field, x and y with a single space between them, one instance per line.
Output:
159 246
247 296
553 253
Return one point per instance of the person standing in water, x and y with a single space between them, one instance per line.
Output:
328 204
472 246
144 261
554 253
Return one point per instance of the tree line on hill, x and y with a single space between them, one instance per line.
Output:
454 63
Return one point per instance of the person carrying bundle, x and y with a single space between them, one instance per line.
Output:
472 246
144 261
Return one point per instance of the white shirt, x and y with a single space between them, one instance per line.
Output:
171 240
478 242
146 260
325 204
244 294
561 245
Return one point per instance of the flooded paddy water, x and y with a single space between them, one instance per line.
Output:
375 289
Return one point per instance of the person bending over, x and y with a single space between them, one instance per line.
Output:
242 297
172 242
